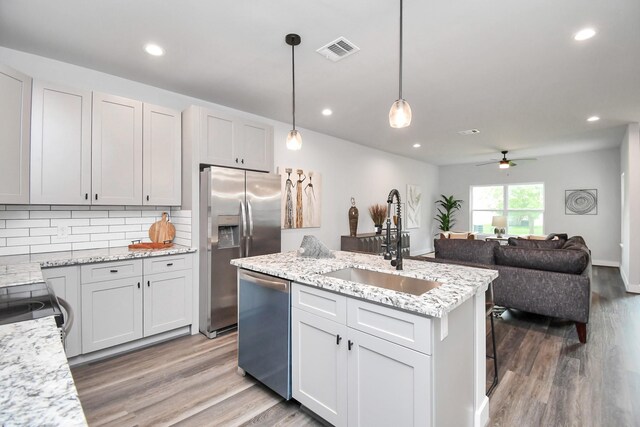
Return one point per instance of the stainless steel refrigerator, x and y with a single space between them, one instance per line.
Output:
239 217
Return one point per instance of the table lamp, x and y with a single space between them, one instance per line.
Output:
500 223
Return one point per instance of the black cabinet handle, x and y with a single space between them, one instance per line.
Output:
236 160
96 196
149 283
113 271
169 264
86 196
138 285
147 197
350 344
242 161
338 339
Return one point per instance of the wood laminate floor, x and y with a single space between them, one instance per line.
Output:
547 378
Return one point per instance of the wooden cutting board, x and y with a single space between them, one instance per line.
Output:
162 231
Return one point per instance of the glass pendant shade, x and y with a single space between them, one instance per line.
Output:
504 164
294 140
400 114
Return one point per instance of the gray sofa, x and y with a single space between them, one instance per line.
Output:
548 277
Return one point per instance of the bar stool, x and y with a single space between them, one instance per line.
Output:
489 311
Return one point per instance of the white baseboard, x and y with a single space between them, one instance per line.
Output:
604 263
482 414
632 288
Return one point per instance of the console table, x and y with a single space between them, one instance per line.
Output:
372 242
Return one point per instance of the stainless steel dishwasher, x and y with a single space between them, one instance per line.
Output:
264 330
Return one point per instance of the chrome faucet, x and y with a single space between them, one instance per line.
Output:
388 254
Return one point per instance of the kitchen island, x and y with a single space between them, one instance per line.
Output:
366 355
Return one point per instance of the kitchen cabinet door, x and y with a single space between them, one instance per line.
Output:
111 313
219 139
65 282
161 156
60 145
15 119
167 301
256 151
319 365
116 150
388 384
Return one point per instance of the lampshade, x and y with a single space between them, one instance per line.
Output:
499 221
400 114
504 164
294 140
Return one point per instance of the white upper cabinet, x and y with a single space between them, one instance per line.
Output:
60 145
226 140
161 156
15 115
116 150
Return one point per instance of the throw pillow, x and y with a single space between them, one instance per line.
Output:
537 244
463 250
534 237
453 235
558 260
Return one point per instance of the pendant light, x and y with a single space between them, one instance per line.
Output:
294 139
400 113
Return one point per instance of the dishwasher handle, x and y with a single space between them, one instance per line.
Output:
265 281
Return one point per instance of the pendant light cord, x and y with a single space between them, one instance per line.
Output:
293 79
400 71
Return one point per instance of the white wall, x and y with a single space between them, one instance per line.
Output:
593 169
347 169
630 167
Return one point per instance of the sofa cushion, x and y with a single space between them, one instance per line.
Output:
559 260
560 236
463 250
537 244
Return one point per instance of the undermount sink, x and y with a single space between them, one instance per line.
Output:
394 282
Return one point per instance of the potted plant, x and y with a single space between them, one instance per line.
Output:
447 207
378 214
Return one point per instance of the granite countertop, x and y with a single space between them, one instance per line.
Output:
459 283
36 386
23 269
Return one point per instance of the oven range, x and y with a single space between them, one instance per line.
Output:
29 301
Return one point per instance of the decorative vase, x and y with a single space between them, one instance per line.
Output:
353 218
378 228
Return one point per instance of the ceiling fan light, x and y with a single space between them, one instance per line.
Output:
294 140
504 164
400 114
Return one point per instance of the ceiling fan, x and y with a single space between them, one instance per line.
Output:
505 163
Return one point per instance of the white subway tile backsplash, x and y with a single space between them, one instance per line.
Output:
14 214
69 222
106 236
47 231
14 250
22 241
90 230
107 221
71 238
90 214
49 214
27 223
14 232
51 248
28 229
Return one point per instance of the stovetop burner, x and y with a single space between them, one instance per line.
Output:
26 302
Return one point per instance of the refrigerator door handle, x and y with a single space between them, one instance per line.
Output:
244 250
250 214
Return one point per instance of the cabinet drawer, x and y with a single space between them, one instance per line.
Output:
111 271
165 264
322 303
393 325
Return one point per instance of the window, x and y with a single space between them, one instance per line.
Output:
522 204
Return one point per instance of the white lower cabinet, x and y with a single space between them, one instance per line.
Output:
65 282
351 377
167 301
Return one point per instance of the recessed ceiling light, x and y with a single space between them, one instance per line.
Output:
584 34
153 49
327 112
593 119
416 145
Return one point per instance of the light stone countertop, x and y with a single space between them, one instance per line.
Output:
23 269
36 386
459 283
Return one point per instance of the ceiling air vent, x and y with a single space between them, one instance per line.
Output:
338 49
469 132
